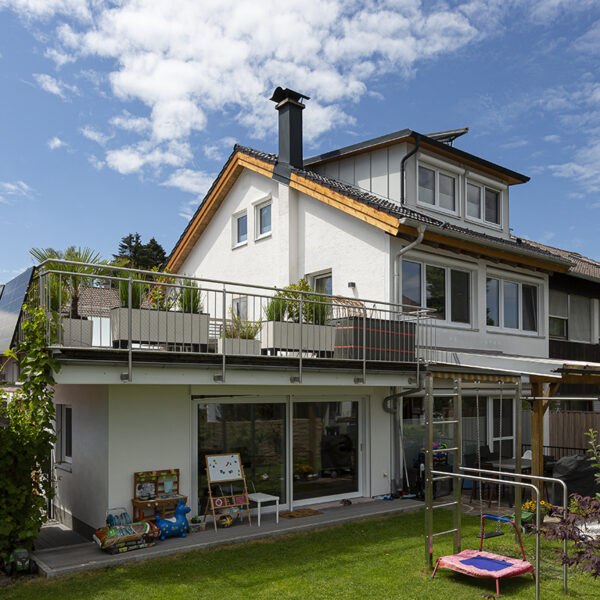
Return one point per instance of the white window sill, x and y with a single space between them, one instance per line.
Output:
515 332
438 209
450 325
483 223
64 466
264 236
240 245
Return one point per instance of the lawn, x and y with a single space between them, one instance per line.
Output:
375 559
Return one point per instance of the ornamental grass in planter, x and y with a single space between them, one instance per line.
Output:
298 320
155 320
240 337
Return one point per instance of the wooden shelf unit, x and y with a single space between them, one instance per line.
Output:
160 502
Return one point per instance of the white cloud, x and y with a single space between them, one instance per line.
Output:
219 150
53 85
55 143
60 58
35 9
12 190
131 159
195 182
94 135
514 144
589 42
130 123
96 162
552 138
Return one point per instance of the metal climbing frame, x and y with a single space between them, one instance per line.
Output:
431 475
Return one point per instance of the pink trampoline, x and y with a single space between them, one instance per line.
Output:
479 563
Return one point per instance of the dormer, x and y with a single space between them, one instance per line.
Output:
428 174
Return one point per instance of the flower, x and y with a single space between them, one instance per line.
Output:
529 506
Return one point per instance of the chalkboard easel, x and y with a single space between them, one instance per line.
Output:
226 468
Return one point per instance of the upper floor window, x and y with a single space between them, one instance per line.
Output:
511 304
437 189
263 219
445 290
483 203
240 228
570 317
323 284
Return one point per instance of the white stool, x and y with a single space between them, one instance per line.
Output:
259 498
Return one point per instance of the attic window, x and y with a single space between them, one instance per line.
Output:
240 229
437 189
483 203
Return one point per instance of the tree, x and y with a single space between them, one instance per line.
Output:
136 255
27 435
74 275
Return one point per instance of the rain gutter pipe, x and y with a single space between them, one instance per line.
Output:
417 139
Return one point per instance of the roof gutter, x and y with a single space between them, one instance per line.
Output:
417 139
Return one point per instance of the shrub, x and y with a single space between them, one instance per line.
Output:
241 328
189 299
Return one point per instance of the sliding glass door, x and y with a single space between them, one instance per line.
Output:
325 449
297 449
257 432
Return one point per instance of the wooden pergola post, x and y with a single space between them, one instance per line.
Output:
538 410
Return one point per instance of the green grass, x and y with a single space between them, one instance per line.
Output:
375 559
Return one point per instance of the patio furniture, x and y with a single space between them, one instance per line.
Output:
260 498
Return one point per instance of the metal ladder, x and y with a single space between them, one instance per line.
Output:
456 422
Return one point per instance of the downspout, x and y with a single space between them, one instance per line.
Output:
395 411
417 139
420 234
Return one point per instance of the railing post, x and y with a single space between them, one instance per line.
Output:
129 329
224 309
364 345
301 339
429 400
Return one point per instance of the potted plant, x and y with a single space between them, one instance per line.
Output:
240 337
160 314
295 313
63 291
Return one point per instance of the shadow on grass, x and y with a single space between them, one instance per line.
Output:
379 558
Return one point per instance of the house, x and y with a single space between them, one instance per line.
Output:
405 242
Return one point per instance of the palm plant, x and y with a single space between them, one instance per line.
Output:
74 275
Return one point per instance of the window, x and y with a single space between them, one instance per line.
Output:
437 189
570 317
263 220
65 433
239 307
445 290
323 284
240 229
483 203
511 304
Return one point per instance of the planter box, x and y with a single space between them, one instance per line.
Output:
75 332
284 335
238 346
159 327
385 340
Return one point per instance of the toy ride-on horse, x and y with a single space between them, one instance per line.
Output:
177 525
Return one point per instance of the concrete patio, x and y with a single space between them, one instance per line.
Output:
71 558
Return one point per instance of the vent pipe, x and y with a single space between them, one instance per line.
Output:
289 105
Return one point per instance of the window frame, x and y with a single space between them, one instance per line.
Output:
257 219
482 188
436 192
447 321
321 275
64 435
501 327
235 242
566 320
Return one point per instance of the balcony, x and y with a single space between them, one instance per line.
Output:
126 315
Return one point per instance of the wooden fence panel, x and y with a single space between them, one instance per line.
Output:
568 427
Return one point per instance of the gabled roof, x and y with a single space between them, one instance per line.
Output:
582 266
388 216
426 142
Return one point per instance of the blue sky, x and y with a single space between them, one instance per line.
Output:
115 116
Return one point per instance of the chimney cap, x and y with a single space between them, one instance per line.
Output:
281 94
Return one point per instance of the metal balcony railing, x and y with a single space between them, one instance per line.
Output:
133 311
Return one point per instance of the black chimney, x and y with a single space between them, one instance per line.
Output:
290 107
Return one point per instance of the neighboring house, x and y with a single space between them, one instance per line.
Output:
407 238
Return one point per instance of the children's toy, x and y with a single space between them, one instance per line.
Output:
19 561
123 538
177 525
